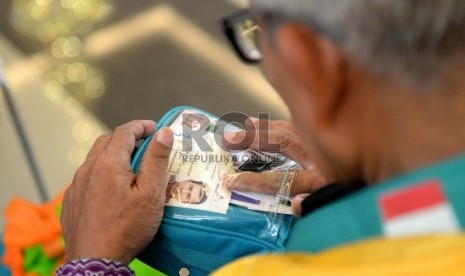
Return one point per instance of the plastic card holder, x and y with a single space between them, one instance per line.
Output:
200 241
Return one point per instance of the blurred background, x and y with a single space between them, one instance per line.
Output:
79 68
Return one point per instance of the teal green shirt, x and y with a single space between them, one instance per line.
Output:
363 214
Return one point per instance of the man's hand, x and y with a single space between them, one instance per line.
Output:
273 136
108 211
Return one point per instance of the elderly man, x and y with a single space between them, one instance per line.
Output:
376 94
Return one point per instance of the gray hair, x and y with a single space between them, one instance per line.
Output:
414 41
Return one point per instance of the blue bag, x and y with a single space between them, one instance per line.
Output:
199 242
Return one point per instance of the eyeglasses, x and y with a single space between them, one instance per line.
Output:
243 32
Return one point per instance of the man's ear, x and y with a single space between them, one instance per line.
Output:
316 67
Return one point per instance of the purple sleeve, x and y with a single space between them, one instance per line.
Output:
100 267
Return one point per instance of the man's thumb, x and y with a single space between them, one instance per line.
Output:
156 158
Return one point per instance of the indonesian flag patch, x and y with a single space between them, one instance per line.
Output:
419 209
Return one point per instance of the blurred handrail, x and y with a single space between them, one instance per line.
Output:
22 135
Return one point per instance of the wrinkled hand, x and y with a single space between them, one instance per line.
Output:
108 211
273 136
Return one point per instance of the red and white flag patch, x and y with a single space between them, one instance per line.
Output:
419 209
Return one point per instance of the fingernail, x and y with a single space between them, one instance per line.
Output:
165 136
301 197
297 204
230 137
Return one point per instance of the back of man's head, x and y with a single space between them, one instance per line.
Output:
413 41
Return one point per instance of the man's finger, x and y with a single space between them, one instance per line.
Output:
153 170
304 181
265 182
290 146
83 171
253 123
97 148
284 142
125 137
253 126
307 181
242 140
260 140
297 204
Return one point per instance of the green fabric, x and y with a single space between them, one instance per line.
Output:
358 217
142 269
59 208
36 261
